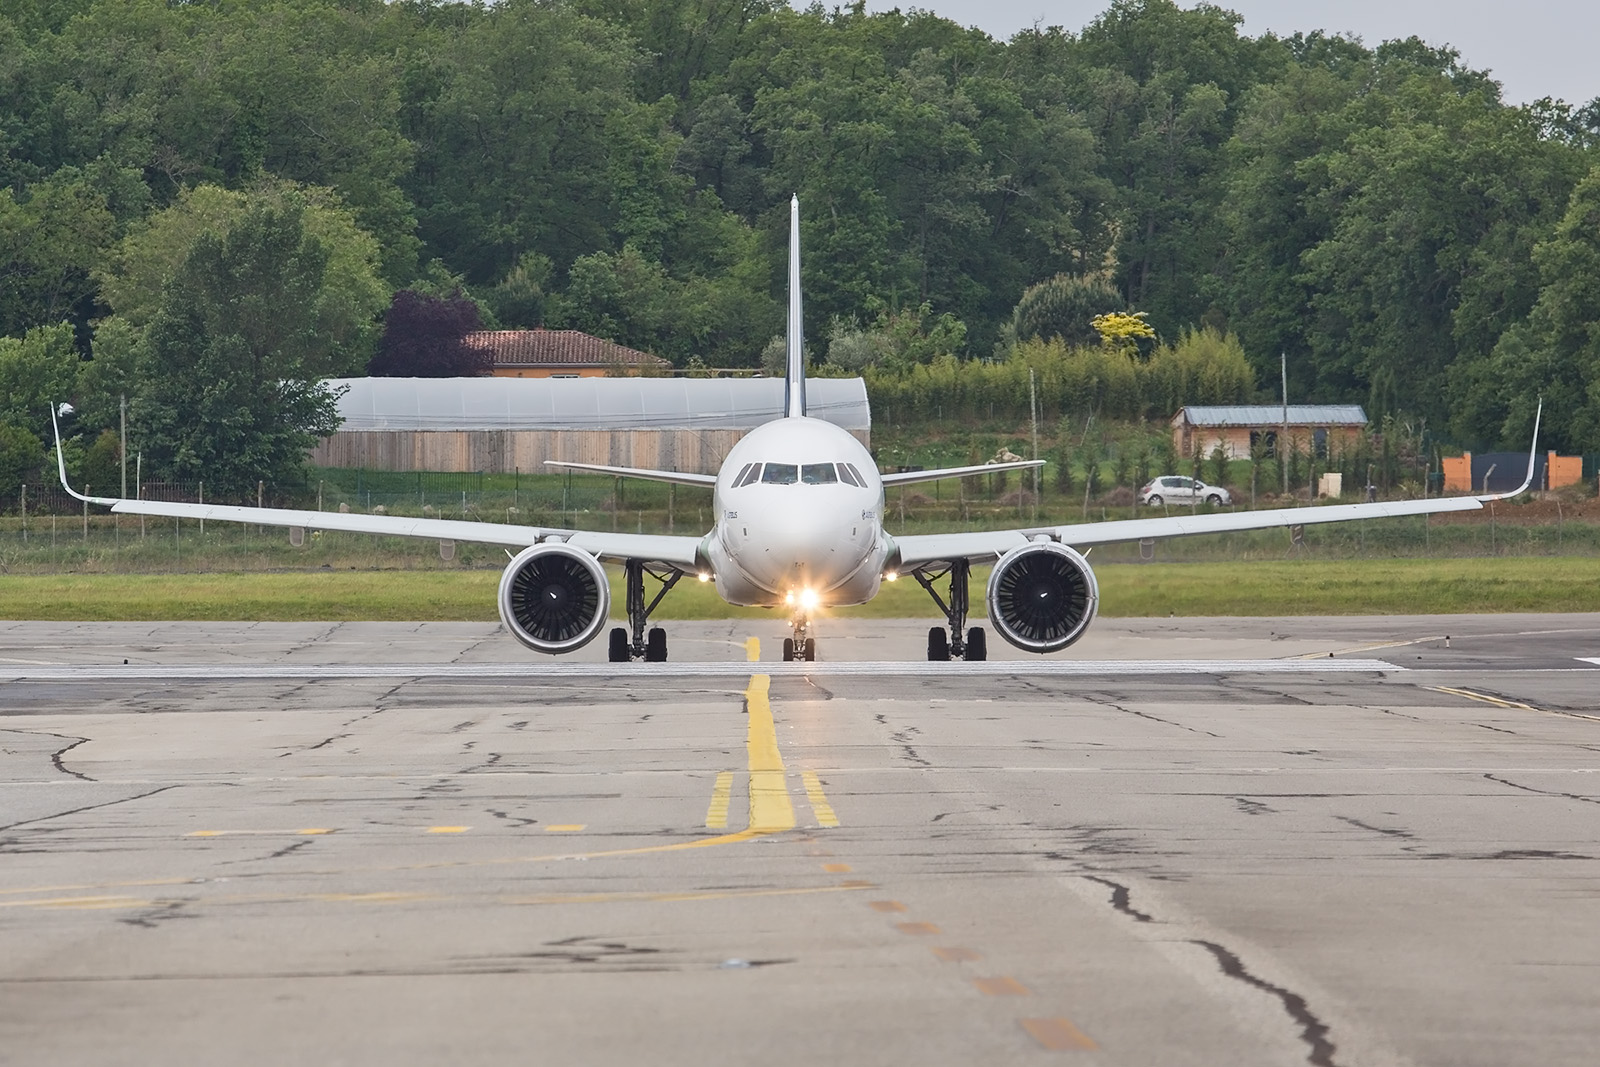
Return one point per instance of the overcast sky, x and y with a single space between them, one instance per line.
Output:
1533 47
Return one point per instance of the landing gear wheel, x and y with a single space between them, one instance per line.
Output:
636 645
788 649
977 645
810 649
938 644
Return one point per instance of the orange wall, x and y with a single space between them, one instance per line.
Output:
1457 473
1564 470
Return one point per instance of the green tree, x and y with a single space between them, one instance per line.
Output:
1555 353
1064 307
37 371
20 458
345 305
229 389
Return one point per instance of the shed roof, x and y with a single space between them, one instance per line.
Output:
1272 415
588 403
557 348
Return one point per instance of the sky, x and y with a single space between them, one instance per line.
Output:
1534 48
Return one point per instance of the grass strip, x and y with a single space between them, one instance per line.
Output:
1297 587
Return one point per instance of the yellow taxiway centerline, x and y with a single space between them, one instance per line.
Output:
819 800
770 810
1501 702
717 813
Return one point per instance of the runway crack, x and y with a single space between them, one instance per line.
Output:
1543 792
1153 718
1121 899
1385 831
87 807
1313 1031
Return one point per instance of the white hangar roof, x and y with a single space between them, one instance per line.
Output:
588 403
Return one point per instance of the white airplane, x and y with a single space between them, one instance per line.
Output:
799 506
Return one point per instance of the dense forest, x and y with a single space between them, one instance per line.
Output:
192 188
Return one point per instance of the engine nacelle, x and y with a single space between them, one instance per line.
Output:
1042 596
554 597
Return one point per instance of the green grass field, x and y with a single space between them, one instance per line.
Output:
1295 587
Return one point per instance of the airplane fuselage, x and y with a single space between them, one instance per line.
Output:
799 506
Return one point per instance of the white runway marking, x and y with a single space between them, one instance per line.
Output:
472 671
1589 659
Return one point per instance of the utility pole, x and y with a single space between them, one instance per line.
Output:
122 403
1283 442
1033 414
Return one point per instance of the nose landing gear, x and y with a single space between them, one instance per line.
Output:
651 648
954 644
801 646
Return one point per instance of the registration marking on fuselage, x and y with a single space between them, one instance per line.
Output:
203 672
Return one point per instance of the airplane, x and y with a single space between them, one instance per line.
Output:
799 506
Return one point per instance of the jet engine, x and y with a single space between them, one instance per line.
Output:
554 597
1042 596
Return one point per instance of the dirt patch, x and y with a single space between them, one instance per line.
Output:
1532 512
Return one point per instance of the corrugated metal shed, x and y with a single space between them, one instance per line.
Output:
588 403
1272 415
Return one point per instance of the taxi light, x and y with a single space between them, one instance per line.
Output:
704 576
789 598
891 576
808 598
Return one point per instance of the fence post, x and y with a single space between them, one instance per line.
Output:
24 513
86 512
202 501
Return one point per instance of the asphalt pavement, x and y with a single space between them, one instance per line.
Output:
1185 841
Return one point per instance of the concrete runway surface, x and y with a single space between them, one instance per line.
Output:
1188 841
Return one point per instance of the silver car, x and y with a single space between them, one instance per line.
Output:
1174 489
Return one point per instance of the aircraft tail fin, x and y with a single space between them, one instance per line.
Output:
794 382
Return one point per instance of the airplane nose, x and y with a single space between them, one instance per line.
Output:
803 548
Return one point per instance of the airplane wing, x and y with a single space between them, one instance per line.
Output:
983 545
682 553
908 477
681 478
986 545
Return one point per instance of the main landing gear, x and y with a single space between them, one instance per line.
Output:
651 648
802 646
942 644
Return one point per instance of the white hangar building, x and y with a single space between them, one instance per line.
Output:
501 425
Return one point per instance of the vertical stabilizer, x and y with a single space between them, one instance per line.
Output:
794 382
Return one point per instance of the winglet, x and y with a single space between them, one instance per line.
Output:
1533 459
61 460
794 382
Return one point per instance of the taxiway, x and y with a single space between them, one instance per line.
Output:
1241 841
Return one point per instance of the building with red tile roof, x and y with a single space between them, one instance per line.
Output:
545 353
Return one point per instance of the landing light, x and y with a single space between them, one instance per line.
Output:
704 576
809 598
891 576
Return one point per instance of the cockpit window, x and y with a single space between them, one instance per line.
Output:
780 474
748 474
818 474
846 477
851 467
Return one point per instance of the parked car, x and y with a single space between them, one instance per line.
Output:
1173 489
